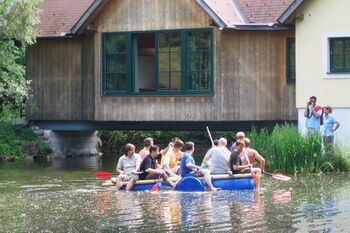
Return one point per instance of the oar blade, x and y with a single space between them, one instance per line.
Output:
155 188
281 177
103 175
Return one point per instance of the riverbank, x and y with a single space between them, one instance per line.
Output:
285 149
19 143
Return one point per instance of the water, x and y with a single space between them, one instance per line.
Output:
65 196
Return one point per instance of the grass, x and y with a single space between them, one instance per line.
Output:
286 150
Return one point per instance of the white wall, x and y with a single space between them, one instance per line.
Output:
342 135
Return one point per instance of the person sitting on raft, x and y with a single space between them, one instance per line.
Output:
147 143
237 166
239 136
206 163
171 156
150 169
189 167
253 155
127 165
219 157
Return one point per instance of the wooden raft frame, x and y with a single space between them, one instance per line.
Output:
140 182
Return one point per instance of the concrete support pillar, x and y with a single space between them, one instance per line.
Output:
73 143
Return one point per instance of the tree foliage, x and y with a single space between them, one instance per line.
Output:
17 20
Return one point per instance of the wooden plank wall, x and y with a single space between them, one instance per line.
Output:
88 78
249 72
54 66
248 69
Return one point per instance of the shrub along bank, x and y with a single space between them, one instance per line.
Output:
15 141
284 149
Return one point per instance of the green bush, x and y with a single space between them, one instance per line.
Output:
12 139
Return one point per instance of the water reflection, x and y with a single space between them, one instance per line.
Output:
55 199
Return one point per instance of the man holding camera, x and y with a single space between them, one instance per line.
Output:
313 114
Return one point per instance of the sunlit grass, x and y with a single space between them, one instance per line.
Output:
286 150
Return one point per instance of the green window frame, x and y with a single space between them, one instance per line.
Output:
183 62
290 60
339 55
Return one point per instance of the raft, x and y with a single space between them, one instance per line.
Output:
194 184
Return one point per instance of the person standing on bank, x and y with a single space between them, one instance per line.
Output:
313 114
331 124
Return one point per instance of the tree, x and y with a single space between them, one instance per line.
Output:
17 30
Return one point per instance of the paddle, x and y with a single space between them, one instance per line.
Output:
251 168
103 175
211 139
279 177
155 187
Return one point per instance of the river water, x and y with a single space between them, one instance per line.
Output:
65 196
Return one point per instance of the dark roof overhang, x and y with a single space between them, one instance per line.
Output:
88 16
287 15
217 20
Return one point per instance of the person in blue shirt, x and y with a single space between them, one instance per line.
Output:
312 114
331 124
189 167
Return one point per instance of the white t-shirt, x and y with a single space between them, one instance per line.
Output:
129 165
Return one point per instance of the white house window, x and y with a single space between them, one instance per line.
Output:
339 55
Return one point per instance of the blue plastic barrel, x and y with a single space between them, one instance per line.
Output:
190 184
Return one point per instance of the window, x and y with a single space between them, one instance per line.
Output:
339 54
290 66
167 62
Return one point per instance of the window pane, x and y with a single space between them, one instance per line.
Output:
338 61
198 80
198 41
175 62
111 63
347 62
347 46
175 38
164 80
111 82
115 44
115 82
337 47
121 61
121 44
175 80
121 82
164 42
164 62
198 61
203 81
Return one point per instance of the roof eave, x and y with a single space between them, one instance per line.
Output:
285 18
89 14
259 27
218 21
